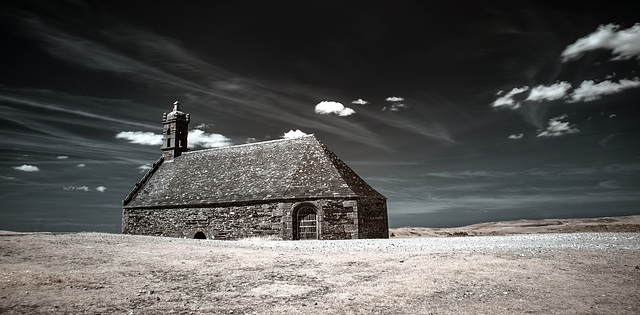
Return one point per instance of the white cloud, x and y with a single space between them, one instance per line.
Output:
625 44
507 100
292 134
62 157
590 91
101 189
516 136
557 127
198 138
332 107
27 168
360 102
141 137
195 138
395 99
395 107
549 93
81 165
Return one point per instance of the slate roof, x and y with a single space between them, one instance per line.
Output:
272 170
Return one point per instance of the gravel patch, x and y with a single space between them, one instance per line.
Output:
489 244
524 244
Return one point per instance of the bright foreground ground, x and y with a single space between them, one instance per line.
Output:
580 273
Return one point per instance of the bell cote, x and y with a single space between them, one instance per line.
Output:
175 130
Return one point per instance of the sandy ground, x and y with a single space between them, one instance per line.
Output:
96 273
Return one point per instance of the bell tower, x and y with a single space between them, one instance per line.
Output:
175 129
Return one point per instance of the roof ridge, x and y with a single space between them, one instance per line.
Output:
250 144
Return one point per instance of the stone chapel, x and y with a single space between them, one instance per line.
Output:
293 189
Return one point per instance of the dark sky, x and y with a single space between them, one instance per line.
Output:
457 111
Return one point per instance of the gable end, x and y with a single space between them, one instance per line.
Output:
143 181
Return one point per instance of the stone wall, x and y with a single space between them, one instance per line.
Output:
340 220
231 222
337 219
372 218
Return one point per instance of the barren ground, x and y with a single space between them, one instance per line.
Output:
97 273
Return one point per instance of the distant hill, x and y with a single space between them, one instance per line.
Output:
605 224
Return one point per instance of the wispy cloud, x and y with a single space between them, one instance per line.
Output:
27 168
590 91
62 157
516 136
144 168
292 134
395 107
153 59
624 43
333 107
84 188
547 172
549 92
470 174
556 127
74 188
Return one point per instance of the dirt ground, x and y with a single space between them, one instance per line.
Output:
97 273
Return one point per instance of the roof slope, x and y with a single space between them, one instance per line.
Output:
280 169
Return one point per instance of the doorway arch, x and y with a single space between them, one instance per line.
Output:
305 223
200 236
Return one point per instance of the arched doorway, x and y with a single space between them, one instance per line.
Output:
305 223
199 236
